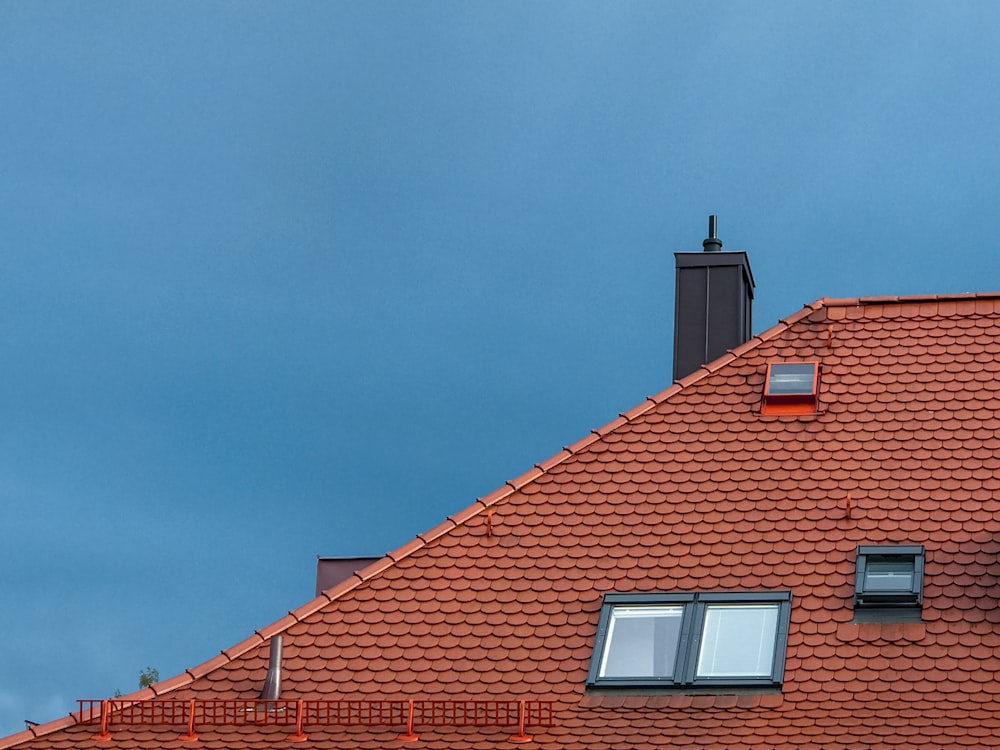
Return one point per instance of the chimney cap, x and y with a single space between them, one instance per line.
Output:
712 244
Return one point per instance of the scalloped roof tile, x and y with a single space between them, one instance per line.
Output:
691 489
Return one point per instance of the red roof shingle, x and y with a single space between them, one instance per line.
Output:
691 490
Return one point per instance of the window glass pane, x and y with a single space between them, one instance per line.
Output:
642 641
791 379
738 640
889 575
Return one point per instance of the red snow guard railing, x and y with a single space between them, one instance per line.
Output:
407 714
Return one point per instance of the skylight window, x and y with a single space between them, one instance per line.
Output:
642 641
791 388
738 640
889 578
691 639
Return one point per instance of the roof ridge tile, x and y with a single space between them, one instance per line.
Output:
906 298
692 377
38 730
171 683
585 442
553 461
302 612
963 295
839 301
611 426
200 670
398 554
467 513
23 736
789 320
431 534
738 351
246 644
526 478
719 362
373 569
879 299
65 721
659 398
638 410
500 493
265 633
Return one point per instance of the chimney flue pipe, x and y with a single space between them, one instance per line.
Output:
712 244
272 684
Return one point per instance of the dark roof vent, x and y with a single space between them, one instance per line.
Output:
712 310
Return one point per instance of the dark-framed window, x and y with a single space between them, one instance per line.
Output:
698 639
791 388
889 577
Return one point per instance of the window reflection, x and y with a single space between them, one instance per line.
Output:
642 642
738 640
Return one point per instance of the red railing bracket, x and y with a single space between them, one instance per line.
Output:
191 736
521 736
104 735
409 735
300 712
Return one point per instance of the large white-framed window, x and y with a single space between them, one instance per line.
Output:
691 639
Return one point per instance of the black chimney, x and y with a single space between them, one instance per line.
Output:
712 306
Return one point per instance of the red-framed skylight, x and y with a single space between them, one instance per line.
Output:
791 388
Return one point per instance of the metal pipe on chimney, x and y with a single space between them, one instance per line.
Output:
712 244
272 684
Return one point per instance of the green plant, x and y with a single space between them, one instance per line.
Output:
148 676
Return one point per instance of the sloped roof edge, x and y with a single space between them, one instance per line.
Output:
484 503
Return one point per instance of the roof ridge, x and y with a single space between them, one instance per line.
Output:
262 635
904 298
39 729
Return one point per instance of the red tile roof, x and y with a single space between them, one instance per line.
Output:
691 490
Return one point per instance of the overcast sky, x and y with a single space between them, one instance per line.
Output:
281 280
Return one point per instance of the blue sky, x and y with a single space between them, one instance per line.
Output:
282 280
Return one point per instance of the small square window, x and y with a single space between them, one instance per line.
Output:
791 388
693 639
889 577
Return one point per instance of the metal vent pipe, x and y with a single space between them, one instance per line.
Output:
712 243
272 684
